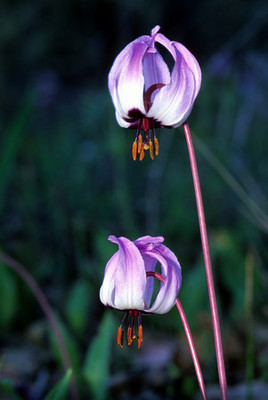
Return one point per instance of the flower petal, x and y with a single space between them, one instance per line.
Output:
107 288
173 103
129 276
150 263
155 70
148 242
192 64
125 80
171 271
144 244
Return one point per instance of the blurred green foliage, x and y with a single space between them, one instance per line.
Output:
97 361
60 390
67 180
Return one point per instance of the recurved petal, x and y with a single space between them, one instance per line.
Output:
173 103
187 55
171 271
155 70
192 64
129 276
144 241
145 244
150 263
107 293
125 80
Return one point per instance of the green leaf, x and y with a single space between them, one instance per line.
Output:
96 368
60 390
8 296
77 308
11 144
70 344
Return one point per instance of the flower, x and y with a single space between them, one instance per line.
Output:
144 92
128 283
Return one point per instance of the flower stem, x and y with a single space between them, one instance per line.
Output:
39 295
188 336
192 349
207 262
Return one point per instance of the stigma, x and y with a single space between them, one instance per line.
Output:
132 333
145 140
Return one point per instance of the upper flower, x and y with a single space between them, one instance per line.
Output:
146 95
128 284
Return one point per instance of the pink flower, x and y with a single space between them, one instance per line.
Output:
146 95
127 286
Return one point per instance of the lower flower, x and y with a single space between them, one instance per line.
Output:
127 284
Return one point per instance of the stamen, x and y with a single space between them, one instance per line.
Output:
142 152
156 146
129 336
120 337
139 338
133 314
151 150
139 143
134 150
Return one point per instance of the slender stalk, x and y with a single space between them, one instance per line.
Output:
249 288
188 336
35 288
192 348
207 262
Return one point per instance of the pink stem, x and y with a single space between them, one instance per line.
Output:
35 288
188 336
207 261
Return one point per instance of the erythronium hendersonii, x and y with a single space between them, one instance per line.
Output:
146 95
126 285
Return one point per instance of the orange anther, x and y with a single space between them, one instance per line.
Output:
129 336
156 146
119 338
139 143
134 150
139 336
142 152
151 149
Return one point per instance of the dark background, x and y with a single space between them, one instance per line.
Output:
67 181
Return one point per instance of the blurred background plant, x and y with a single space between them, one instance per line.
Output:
67 181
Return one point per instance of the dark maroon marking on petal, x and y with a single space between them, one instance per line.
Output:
134 115
147 95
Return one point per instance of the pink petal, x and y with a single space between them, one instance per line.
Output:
155 70
107 287
171 271
173 103
144 241
125 80
129 276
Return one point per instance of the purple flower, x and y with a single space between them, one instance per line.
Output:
144 92
127 286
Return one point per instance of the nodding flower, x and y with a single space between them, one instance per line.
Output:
128 282
146 95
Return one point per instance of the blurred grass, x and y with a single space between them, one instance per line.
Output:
67 180
68 187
